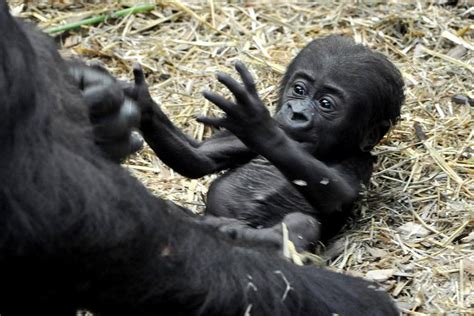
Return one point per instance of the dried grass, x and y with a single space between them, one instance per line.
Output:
414 229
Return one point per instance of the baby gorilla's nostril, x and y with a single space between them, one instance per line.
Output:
298 117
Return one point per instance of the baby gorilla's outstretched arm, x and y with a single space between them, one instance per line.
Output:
182 153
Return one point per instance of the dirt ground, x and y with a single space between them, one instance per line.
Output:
413 231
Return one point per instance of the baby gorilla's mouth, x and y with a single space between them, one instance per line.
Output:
298 117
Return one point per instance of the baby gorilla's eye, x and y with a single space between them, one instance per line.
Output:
326 103
299 90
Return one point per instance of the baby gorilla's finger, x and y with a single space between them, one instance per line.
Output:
103 100
138 74
235 87
224 104
246 76
212 121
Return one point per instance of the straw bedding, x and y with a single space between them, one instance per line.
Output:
414 226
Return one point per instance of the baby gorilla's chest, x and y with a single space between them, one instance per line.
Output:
257 193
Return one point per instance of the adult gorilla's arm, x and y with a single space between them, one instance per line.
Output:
183 154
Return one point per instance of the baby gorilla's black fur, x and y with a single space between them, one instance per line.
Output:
303 166
77 231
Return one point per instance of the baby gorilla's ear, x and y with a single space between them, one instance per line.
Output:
373 135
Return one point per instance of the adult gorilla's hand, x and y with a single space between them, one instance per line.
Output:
302 230
114 117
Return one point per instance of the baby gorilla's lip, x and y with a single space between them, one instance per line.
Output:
297 131
291 125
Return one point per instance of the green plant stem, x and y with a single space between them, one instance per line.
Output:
101 18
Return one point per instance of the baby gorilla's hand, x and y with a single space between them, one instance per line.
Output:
114 117
246 116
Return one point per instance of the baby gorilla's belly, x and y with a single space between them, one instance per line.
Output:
257 193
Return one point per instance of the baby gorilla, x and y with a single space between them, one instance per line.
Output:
306 165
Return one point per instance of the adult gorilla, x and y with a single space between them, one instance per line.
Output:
77 231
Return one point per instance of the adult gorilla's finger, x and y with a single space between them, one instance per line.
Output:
246 76
243 232
235 87
87 76
117 149
117 125
103 100
98 70
216 222
111 128
224 104
136 142
130 90
130 112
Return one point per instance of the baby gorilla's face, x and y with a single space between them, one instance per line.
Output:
318 111
330 93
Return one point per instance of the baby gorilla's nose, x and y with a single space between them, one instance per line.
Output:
299 114
299 117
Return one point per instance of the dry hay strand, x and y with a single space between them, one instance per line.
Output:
413 231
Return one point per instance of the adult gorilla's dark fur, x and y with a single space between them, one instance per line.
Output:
77 231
